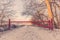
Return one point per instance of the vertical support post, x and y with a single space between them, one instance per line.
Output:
9 24
50 24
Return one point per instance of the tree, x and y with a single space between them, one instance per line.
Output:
6 10
32 6
54 6
36 10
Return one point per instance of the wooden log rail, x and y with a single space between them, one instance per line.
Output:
45 24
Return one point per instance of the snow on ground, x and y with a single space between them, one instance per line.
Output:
31 33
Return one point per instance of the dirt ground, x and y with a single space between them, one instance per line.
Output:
31 33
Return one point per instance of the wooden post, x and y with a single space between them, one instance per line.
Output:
50 24
9 24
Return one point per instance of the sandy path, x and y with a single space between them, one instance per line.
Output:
31 33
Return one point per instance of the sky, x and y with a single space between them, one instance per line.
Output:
19 8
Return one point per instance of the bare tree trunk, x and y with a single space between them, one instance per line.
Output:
56 16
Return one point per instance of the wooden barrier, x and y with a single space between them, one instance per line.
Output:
45 24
